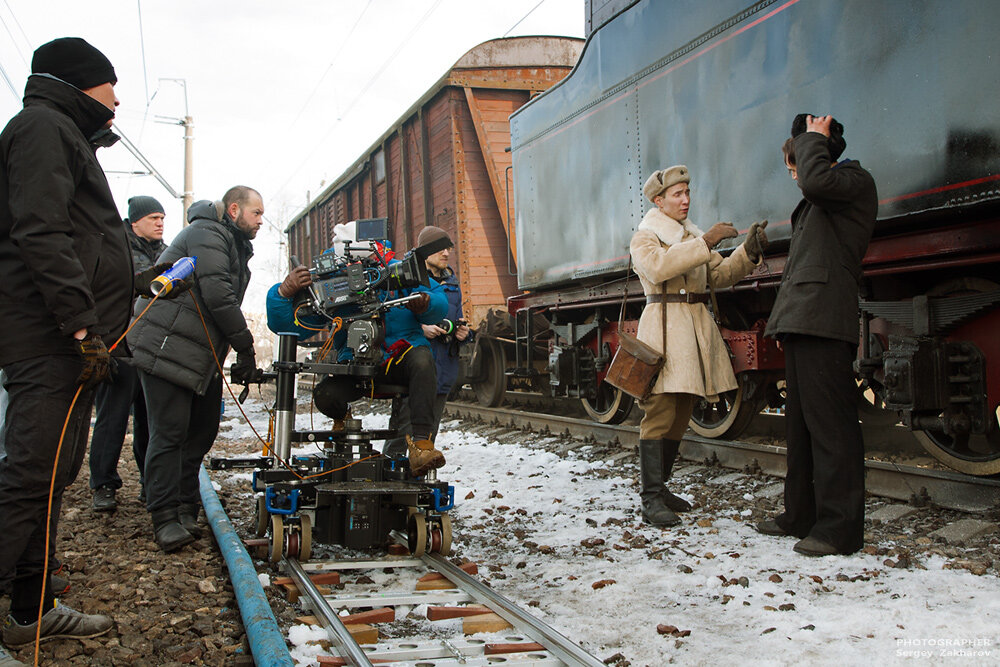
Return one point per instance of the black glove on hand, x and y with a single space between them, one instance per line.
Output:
756 241
245 370
144 278
419 306
96 361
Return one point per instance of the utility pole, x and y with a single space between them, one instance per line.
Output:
188 161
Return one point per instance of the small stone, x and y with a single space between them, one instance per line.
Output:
775 578
685 569
788 606
743 581
769 630
602 583
207 586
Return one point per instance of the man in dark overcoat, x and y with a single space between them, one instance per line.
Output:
816 320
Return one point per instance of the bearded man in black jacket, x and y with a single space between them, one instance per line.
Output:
65 298
176 353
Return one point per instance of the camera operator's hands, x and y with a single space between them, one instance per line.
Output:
245 370
432 331
297 279
96 361
462 331
419 305
718 232
756 241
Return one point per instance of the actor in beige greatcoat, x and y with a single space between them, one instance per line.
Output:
673 260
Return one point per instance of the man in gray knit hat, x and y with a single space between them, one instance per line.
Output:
123 394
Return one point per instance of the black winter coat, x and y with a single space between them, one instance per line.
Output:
169 341
144 252
831 228
64 258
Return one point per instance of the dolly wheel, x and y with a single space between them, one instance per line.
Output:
416 534
277 537
444 547
305 537
262 516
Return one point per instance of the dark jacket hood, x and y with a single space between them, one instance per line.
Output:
86 113
212 210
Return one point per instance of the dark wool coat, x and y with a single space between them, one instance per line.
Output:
831 228
144 252
169 341
64 257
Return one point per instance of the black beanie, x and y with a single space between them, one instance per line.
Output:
139 207
430 234
835 143
74 61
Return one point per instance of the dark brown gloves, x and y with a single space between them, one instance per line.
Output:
719 232
296 279
144 278
96 361
756 241
420 306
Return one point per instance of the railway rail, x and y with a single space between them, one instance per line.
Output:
531 642
911 483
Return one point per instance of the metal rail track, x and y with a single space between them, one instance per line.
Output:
910 483
558 650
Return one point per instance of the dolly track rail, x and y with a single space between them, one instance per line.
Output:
944 488
525 623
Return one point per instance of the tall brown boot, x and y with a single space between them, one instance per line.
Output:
423 456
676 503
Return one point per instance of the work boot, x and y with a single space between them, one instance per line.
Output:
676 503
652 492
423 456
60 622
169 533
188 515
339 424
7 660
58 585
104 499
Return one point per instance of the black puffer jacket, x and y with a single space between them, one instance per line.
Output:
169 341
144 252
64 257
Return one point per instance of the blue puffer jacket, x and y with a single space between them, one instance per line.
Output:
445 354
400 322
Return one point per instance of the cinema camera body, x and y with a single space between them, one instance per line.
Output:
346 493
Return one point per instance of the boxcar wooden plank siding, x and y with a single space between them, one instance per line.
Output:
446 164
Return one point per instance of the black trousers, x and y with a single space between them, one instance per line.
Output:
40 391
399 416
112 405
825 485
415 370
182 429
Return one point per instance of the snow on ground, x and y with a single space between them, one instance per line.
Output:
561 535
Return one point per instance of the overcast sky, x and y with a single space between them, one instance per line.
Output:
284 95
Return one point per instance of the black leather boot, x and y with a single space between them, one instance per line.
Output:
652 492
675 503
187 513
170 534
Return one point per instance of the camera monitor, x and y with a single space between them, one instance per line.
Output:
373 229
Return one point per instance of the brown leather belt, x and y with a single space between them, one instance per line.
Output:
689 297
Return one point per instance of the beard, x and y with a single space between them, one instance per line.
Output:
245 226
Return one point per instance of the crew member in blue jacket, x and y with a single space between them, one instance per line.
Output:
407 359
444 336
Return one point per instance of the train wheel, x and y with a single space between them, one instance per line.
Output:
277 537
491 384
260 526
972 454
416 534
612 405
305 537
726 418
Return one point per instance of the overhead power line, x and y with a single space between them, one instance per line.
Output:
524 17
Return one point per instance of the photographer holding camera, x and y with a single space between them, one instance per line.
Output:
444 337
405 356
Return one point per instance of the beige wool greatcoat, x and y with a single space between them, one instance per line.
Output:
665 250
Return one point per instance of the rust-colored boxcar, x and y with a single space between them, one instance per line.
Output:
445 162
